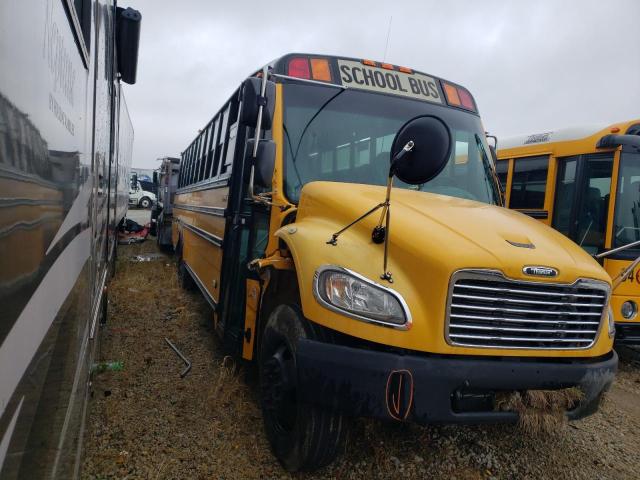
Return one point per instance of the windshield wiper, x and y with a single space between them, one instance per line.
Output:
304 130
322 107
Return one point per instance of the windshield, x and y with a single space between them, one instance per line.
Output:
346 135
626 227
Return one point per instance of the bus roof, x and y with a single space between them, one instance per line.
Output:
535 142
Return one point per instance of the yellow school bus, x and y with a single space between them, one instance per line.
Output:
584 182
358 252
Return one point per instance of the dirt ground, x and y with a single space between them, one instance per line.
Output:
146 422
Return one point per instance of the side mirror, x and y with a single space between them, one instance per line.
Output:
128 42
155 177
494 155
264 162
251 89
134 181
420 150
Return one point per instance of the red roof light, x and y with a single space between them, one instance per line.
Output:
299 68
466 99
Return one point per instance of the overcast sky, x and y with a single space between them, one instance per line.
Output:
532 66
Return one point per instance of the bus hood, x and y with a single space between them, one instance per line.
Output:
432 236
447 233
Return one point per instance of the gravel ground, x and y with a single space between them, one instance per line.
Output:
147 422
140 215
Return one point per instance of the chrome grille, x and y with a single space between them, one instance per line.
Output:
485 309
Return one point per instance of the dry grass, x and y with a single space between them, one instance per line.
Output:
540 411
155 425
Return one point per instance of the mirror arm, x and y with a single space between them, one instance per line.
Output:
616 282
616 250
380 232
262 102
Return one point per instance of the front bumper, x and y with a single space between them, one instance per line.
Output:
628 333
438 389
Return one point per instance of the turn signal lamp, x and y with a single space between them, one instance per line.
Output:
615 130
320 69
459 97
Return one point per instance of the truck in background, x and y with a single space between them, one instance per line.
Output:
165 180
139 196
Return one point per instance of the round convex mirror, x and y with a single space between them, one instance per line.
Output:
431 139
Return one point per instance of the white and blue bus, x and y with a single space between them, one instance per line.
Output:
65 154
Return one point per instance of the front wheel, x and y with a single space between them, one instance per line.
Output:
302 437
145 202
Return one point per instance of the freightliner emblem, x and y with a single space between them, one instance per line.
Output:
539 271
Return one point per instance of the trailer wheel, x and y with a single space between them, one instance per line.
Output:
145 202
302 437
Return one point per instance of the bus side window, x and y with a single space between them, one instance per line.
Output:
229 130
529 182
208 152
191 162
215 149
565 194
198 159
187 180
222 140
203 153
502 169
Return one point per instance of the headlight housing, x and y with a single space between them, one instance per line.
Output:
351 294
629 309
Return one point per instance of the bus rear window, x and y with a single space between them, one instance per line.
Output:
529 182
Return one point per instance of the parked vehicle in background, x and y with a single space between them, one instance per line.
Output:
585 182
282 220
166 182
65 153
138 196
149 186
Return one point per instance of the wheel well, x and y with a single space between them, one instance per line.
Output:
282 288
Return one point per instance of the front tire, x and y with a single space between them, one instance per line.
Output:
145 202
302 437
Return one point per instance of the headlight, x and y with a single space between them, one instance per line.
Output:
629 309
612 323
358 297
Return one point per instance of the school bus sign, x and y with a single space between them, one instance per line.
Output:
414 85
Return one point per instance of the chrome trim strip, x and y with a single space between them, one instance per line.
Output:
534 302
211 238
216 211
520 310
496 275
205 292
515 329
327 305
523 320
521 339
205 185
531 292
